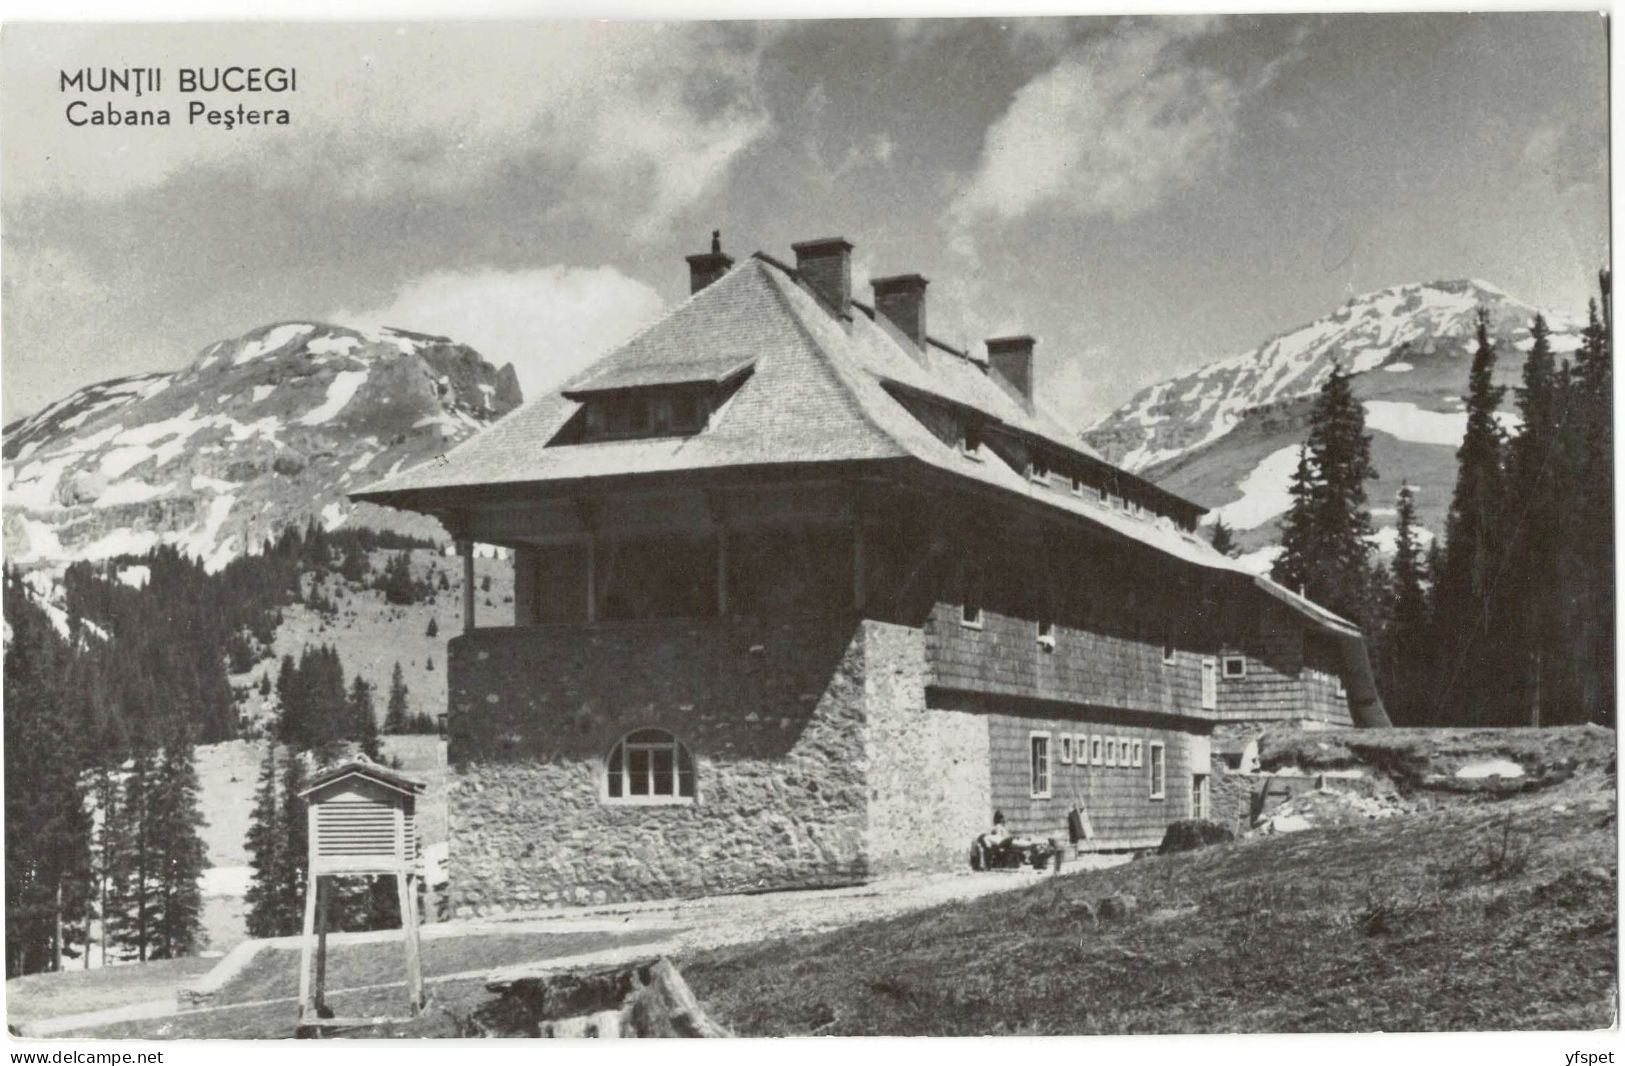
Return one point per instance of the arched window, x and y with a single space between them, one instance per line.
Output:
649 766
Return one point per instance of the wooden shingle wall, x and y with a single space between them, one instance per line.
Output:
1117 797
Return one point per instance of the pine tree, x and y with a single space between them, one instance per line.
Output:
1587 565
180 856
434 628
1224 541
48 826
133 895
1408 634
395 714
364 719
1297 528
266 852
1473 669
1535 489
294 831
1325 547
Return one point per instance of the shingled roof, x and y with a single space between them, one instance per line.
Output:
821 389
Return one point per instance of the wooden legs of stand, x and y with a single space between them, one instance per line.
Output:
409 929
313 956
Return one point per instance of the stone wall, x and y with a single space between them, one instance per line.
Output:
772 713
928 779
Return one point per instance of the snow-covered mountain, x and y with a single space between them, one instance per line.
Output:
269 428
1226 435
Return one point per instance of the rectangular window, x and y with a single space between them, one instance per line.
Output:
1111 751
1046 634
1235 666
1139 753
1168 645
970 440
1199 803
1158 772
1038 747
1095 755
1210 684
1342 689
1080 749
1066 749
1077 486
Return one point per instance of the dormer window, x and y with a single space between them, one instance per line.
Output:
1038 468
970 440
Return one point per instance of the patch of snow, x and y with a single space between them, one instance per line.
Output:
332 344
230 882
1265 492
136 575
119 460
333 515
119 542
262 391
362 461
203 481
1289 823
339 393
34 485
1409 422
1490 768
1398 368
41 539
182 425
1260 561
131 491
27 450
1386 539
272 341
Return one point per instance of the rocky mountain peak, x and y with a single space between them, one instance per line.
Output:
257 431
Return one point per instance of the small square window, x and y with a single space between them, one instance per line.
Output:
1095 754
1139 753
970 616
1046 634
1235 666
1066 749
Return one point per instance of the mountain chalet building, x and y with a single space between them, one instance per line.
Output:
803 594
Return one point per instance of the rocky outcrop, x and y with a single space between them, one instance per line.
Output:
267 429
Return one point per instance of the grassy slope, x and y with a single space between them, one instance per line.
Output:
1406 924
46 995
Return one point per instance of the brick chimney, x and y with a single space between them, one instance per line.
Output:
1010 360
826 265
902 300
707 267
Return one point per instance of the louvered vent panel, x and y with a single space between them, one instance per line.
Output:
355 827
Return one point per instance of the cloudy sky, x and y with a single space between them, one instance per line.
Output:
1141 194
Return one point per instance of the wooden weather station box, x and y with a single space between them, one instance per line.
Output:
362 823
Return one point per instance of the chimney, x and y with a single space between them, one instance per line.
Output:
902 300
1011 361
826 265
707 267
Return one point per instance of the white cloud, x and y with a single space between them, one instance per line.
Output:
548 322
1117 125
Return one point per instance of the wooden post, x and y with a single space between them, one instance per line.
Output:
324 891
409 928
465 548
307 1008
